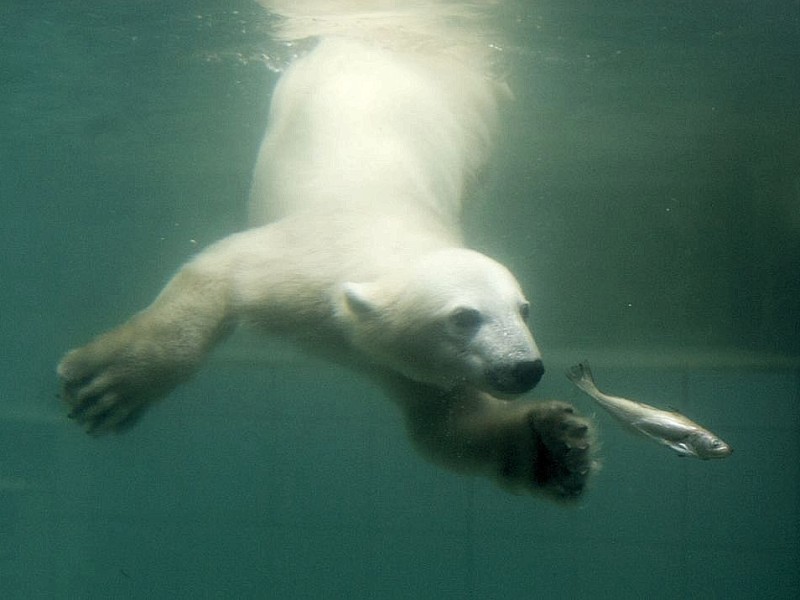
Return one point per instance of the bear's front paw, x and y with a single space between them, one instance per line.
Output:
110 382
564 450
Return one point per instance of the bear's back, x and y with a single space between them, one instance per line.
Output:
353 125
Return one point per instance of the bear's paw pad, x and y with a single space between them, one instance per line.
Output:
564 450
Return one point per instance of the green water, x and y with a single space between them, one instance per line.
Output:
647 196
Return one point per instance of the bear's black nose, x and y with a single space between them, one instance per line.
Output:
517 377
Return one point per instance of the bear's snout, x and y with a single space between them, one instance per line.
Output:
517 377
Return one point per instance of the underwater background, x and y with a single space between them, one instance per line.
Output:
647 196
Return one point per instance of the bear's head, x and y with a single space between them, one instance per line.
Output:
455 317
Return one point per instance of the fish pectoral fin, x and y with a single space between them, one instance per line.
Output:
682 449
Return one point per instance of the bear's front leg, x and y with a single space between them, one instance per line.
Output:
111 381
543 448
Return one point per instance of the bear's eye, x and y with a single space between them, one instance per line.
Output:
466 319
524 310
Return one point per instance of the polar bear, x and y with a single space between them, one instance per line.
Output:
356 254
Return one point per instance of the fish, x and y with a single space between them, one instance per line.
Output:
672 429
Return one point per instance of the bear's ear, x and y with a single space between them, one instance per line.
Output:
358 299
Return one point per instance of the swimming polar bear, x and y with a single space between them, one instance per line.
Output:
356 253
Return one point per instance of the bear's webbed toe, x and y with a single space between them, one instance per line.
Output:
104 414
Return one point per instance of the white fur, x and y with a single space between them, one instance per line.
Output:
384 127
357 251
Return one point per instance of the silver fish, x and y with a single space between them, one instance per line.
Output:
672 429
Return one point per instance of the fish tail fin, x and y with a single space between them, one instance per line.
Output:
581 376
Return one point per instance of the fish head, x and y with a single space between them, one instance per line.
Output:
706 445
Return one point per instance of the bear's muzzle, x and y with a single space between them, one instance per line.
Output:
515 378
